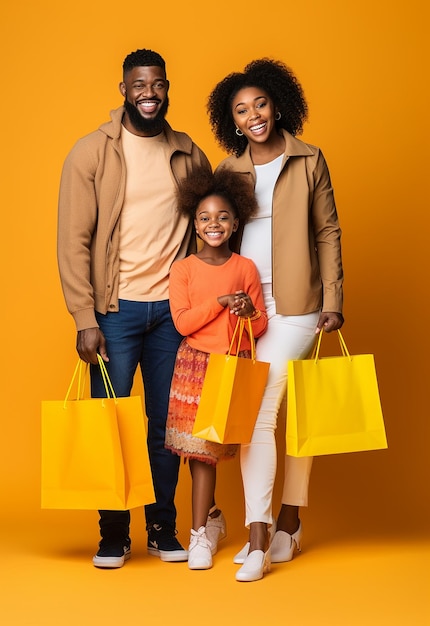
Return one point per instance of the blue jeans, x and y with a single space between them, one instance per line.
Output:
142 333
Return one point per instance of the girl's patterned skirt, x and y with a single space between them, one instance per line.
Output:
187 383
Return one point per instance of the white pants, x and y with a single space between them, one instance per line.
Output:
287 337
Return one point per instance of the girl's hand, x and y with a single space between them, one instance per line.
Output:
242 305
239 303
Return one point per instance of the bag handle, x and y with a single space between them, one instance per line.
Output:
316 351
110 393
81 381
239 328
81 370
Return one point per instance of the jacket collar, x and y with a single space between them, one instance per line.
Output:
293 147
177 141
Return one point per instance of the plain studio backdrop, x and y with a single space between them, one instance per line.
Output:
364 69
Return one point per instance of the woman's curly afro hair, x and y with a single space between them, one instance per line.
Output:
277 80
234 187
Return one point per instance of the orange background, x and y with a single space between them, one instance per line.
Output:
364 69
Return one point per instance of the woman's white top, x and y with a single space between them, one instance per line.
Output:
257 234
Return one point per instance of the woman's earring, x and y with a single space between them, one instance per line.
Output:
278 116
239 133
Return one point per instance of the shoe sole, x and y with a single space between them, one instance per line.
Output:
110 562
248 578
169 556
200 566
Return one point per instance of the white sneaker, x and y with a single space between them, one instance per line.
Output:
200 550
216 529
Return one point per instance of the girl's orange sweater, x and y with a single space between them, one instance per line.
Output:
197 314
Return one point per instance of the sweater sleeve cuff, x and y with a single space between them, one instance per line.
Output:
86 318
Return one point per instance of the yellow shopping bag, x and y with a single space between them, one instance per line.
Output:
94 451
231 395
333 404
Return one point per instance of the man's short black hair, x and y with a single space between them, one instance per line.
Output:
142 58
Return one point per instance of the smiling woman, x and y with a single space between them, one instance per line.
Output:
255 115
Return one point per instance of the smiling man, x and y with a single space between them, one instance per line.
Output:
119 232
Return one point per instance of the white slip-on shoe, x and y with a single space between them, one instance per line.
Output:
216 528
284 545
256 564
200 550
240 557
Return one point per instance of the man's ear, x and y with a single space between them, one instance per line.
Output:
122 89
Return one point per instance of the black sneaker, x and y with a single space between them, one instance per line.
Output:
162 542
112 554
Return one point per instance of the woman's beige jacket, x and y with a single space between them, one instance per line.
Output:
306 252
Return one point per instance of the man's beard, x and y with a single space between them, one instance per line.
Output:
153 126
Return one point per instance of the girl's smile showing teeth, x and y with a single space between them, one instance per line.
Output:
214 234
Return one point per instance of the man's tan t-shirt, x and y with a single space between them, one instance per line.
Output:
151 228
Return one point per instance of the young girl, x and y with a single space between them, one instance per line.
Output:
208 290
